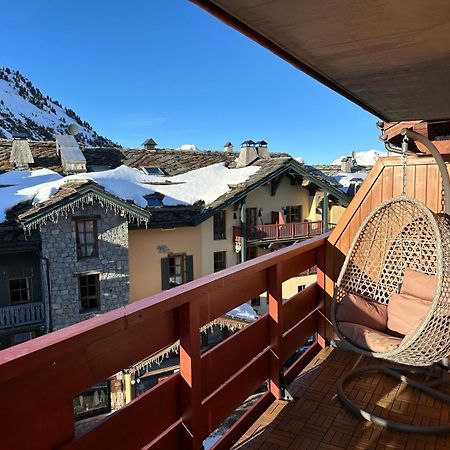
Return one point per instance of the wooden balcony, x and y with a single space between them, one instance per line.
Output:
22 315
278 232
39 378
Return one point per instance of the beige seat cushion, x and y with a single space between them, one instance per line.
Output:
418 285
355 309
405 312
369 339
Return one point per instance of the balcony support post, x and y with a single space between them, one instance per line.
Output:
325 212
275 296
190 371
321 281
243 221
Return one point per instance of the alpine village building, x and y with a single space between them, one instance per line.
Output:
83 251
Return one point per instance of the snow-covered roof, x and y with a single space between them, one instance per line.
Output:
205 184
243 312
363 158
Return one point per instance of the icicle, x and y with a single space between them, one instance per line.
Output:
70 208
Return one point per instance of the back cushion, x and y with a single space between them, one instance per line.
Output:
405 312
355 309
418 285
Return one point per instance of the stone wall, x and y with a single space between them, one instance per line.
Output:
59 246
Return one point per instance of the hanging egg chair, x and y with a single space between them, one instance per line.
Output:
392 297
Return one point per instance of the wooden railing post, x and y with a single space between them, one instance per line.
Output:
190 371
275 297
321 280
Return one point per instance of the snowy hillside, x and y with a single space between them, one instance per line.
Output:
367 158
24 109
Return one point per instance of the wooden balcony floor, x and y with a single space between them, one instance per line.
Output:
316 420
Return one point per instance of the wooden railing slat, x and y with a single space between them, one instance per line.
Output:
130 427
226 358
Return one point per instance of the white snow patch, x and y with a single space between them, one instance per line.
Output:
345 178
207 184
244 312
22 186
364 158
188 147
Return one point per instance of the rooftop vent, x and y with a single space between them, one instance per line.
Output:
247 155
346 164
263 150
72 158
149 144
228 147
21 155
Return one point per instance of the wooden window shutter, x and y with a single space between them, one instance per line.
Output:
165 274
189 268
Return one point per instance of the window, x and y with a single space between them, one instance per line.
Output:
220 261
89 292
19 290
293 214
176 270
219 225
152 170
87 238
301 287
155 200
256 301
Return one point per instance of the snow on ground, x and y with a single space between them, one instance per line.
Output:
365 158
23 109
244 312
207 184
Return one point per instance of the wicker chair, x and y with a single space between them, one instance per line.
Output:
401 233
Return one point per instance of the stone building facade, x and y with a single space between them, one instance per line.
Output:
110 265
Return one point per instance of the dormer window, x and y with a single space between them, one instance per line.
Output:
87 237
154 200
152 170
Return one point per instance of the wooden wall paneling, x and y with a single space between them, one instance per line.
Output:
421 183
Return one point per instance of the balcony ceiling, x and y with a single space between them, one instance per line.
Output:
390 57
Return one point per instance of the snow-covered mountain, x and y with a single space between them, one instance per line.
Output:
366 158
24 109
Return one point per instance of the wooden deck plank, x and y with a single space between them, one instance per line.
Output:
316 420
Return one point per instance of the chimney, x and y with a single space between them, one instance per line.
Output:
263 150
228 147
21 155
346 164
149 144
247 155
72 158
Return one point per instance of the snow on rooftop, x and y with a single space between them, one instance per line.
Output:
21 186
188 147
345 178
365 158
243 312
206 184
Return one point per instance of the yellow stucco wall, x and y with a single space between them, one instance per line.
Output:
145 259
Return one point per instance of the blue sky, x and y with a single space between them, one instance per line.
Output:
168 70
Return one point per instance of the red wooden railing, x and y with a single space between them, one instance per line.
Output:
39 378
272 232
